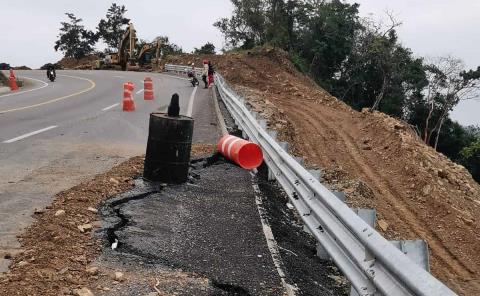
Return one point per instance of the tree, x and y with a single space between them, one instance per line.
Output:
246 27
74 40
4 66
112 28
208 48
449 83
168 48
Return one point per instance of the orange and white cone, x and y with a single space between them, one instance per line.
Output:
148 89
128 103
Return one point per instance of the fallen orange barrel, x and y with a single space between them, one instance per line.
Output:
246 154
128 103
148 89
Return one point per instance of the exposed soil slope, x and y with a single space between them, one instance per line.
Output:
417 192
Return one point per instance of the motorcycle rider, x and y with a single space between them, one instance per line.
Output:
51 68
193 77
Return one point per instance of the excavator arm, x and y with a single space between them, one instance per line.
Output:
126 48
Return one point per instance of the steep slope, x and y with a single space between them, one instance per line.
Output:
417 192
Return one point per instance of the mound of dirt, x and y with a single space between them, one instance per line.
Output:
417 192
74 64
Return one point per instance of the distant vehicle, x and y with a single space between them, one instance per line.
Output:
51 75
193 79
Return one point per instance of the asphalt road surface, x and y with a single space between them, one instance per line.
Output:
54 135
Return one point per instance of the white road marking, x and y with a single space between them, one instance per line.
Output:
139 91
272 244
110 107
26 91
29 134
119 76
190 103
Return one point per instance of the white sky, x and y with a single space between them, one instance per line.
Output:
430 28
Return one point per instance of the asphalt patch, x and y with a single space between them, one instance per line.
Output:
311 275
208 226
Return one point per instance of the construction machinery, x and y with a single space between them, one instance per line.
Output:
150 54
125 58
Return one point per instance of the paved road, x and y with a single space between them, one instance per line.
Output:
53 135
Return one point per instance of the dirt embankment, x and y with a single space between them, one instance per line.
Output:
80 64
417 192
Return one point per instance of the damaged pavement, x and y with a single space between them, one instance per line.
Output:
209 230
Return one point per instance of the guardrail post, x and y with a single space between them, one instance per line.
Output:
299 159
317 174
416 250
263 123
283 145
340 195
273 134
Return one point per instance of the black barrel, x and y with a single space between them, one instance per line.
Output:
168 149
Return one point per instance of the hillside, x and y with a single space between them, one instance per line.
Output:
3 79
377 160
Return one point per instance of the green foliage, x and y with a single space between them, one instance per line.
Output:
3 79
74 40
298 62
208 48
470 158
168 48
246 28
47 65
113 26
4 66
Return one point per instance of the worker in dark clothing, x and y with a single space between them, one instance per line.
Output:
205 73
211 71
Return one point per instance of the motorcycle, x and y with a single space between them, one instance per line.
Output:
51 75
193 79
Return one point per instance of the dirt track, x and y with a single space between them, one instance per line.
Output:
417 192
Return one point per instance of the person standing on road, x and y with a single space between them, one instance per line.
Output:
211 71
205 73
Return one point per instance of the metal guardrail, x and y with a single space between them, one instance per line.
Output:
371 263
182 69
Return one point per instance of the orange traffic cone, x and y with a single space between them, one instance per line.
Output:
148 89
13 83
128 103
12 80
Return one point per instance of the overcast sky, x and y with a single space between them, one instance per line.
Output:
430 28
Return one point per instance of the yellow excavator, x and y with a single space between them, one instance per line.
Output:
125 58
145 57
